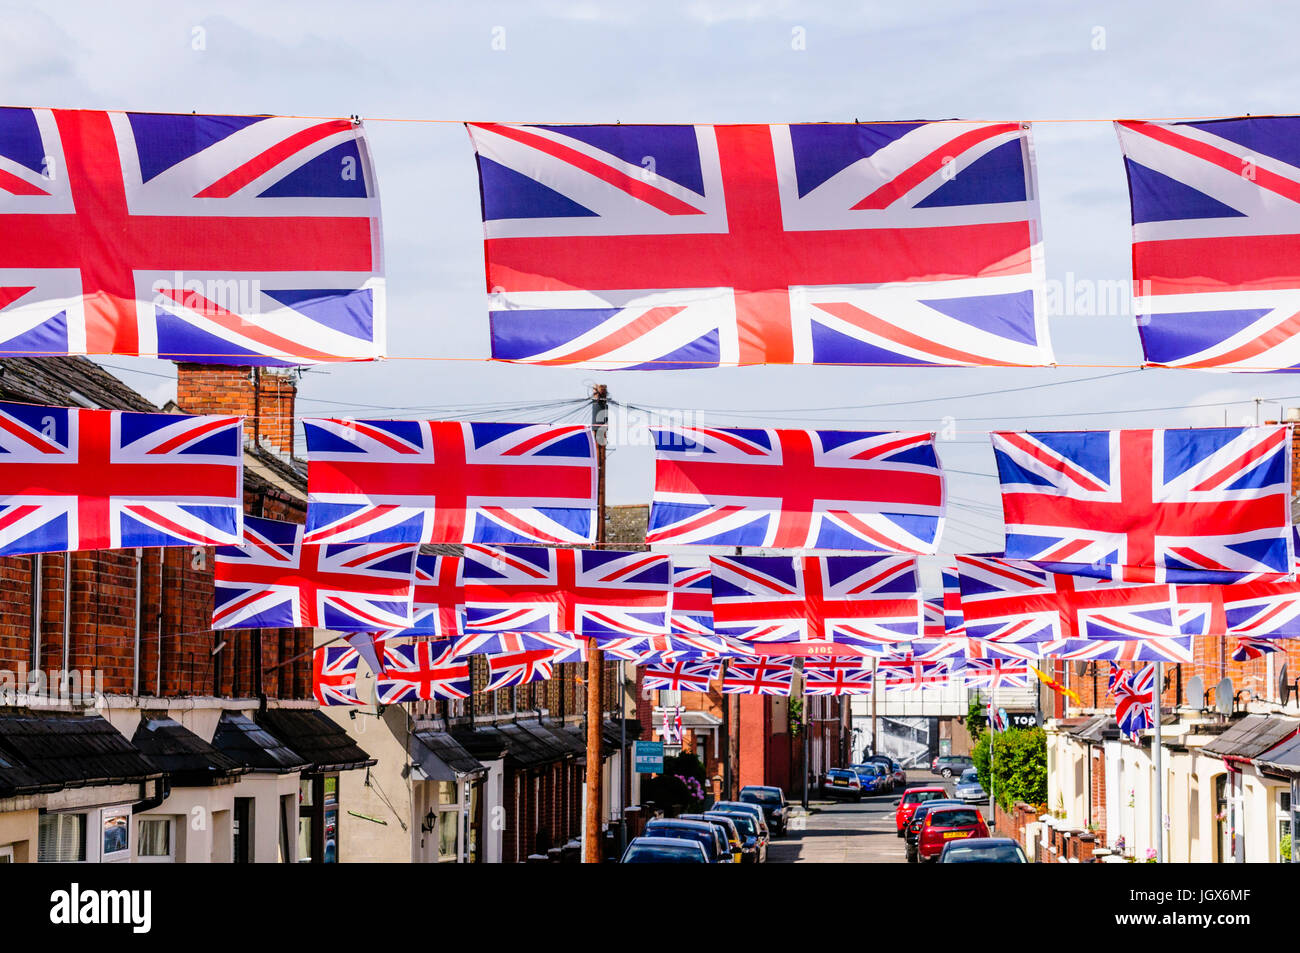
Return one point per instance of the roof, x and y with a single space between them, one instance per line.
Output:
531 749
1283 758
313 736
67 382
1251 736
1096 729
249 744
442 758
49 751
483 742
187 759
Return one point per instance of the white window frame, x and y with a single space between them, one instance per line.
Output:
170 856
7 851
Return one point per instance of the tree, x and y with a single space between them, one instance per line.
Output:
976 717
1018 768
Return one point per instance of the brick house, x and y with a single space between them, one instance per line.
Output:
108 648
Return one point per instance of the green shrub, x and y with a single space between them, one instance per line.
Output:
1019 765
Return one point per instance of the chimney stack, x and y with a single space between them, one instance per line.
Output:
263 396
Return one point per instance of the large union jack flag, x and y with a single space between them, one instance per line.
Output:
680 675
1195 503
1216 228
74 479
814 600
519 668
420 481
1133 701
1259 610
275 580
218 239
421 670
1008 601
579 591
501 643
633 647
698 246
796 489
997 673
1176 649
334 675
757 675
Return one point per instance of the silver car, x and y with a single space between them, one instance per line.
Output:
968 788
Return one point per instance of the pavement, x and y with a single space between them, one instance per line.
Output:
844 832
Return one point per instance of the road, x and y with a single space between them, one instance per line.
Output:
842 832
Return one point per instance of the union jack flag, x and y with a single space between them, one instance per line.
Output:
1195 503
912 675
1247 648
275 580
1008 601
850 600
438 597
836 676
932 620
519 668
74 479
421 481
997 673
1261 610
219 239
334 675
756 675
1133 701
954 651
692 611
954 623
797 489
370 646
698 246
636 646
1116 679
1216 212
499 643
1146 649
421 670
579 591
680 676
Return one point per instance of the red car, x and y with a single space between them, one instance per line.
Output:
946 824
906 805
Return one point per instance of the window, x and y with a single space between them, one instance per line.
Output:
1284 823
669 698
7 854
61 839
155 838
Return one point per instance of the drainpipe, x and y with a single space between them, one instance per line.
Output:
67 621
162 562
37 568
139 632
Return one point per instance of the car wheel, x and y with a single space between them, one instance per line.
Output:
947 773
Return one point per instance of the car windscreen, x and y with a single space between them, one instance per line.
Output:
953 818
745 824
839 773
682 833
970 775
916 797
766 798
659 854
998 854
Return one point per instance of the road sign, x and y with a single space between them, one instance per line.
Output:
648 757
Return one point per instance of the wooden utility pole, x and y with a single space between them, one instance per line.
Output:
595 657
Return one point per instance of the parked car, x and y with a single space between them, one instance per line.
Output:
702 832
664 850
945 824
842 782
772 801
752 810
868 777
950 765
906 805
912 833
983 850
731 836
969 789
888 763
753 838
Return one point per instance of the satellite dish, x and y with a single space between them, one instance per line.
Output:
1283 686
1223 696
1081 669
1195 692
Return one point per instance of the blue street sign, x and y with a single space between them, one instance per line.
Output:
648 756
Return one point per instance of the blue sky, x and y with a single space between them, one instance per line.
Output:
702 62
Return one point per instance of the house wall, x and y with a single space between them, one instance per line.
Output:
19 830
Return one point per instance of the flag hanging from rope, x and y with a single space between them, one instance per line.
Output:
423 481
796 489
632 246
836 676
1216 219
1193 502
334 675
759 676
421 670
996 673
692 611
1247 648
214 239
1134 699
275 580
73 479
519 668
816 600
680 676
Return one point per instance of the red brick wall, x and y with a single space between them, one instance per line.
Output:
215 389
